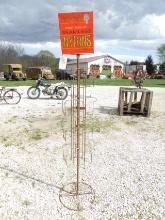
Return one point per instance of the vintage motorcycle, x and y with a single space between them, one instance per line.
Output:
56 91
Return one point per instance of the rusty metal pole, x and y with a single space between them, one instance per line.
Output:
78 124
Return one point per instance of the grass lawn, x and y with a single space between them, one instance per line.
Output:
102 82
127 82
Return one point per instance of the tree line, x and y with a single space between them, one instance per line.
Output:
10 53
150 66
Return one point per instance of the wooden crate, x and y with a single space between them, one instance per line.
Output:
135 101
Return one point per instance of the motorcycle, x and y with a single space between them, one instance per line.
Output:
57 91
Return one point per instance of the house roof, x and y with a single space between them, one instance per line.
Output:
91 59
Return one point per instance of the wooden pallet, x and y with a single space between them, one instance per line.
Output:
135 101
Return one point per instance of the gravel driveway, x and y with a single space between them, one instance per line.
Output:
125 159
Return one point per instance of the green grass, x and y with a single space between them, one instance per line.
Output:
37 134
98 125
101 82
126 82
154 83
13 83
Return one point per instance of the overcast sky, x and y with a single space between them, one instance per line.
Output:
125 29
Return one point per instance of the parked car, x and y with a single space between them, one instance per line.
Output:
64 75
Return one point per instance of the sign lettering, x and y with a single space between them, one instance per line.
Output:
76 32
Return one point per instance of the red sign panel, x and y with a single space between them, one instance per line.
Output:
76 32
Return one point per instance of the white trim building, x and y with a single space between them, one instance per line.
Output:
100 61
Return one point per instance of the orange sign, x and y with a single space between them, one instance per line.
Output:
76 32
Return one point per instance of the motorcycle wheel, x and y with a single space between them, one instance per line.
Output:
61 93
33 93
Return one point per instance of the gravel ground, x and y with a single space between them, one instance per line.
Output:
125 159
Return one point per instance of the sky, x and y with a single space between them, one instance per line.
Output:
125 29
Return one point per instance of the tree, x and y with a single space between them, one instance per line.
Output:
162 67
150 67
134 62
45 53
161 53
10 53
46 58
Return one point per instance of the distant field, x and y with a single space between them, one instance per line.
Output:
101 82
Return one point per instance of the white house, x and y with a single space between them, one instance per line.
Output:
98 65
